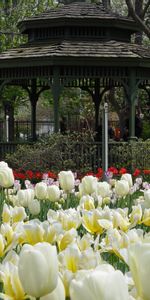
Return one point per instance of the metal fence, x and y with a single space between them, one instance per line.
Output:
136 155
22 129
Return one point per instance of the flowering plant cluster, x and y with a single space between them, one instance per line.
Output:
36 176
66 237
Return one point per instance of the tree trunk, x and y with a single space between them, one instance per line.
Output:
139 10
138 19
106 3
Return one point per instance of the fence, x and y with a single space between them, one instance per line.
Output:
136 155
22 129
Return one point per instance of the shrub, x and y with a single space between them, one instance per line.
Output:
56 152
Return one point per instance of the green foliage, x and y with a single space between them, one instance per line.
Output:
146 130
131 155
57 152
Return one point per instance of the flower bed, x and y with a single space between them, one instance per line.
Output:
74 236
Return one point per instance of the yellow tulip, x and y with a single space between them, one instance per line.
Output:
6 214
11 282
66 239
7 233
69 218
31 232
70 258
18 214
146 217
2 245
139 263
90 221
87 202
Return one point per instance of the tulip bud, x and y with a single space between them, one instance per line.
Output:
38 269
41 190
53 193
147 198
25 196
6 175
128 178
103 189
88 185
34 207
66 180
122 188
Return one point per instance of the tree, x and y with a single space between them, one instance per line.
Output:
11 12
138 13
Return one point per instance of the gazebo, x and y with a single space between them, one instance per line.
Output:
79 44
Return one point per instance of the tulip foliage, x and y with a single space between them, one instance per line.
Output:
68 238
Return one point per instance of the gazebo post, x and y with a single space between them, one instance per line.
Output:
132 92
56 91
33 100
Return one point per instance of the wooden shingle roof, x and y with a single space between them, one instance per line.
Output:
73 50
77 11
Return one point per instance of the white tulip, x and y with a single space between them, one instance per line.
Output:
3 164
147 198
25 196
66 180
53 193
6 176
103 283
38 269
128 178
41 190
34 207
88 185
57 294
103 189
122 188
139 263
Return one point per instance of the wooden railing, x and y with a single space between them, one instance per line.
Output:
136 155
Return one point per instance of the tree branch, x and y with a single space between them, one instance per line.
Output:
145 8
137 19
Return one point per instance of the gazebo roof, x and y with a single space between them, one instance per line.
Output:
76 12
66 51
74 36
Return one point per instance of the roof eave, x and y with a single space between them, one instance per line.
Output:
130 25
74 61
